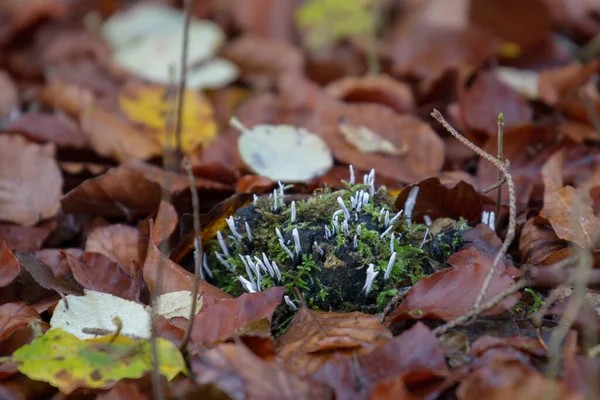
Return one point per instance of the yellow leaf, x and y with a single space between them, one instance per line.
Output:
325 21
68 363
148 105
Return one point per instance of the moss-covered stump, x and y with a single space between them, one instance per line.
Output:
326 250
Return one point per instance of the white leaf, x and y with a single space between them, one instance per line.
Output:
177 304
285 153
523 81
96 310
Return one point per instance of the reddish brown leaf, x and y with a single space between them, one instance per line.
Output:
539 244
507 380
438 201
166 221
487 97
20 15
70 98
210 223
121 192
530 21
557 83
394 367
56 261
160 269
247 315
314 337
120 243
30 181
9 98
424 149
42 274
23 238
379 89
266 18
95 271
253 184
569 210
15 328
451 292
241 374
580 371
262 59
42 127
9 266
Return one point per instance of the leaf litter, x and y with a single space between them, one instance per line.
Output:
316 279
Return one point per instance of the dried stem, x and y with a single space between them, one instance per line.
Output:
504 168
198 254
501 177
187 5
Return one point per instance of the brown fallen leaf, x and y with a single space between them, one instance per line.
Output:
95 271
122 244
210 223
314 337
111 137
242 375
16 327
569 210
70 98
9 266
20 15
30 181
43 276
379 89
555 84
265 18
247 315
539 244
262 59
411 365
9 97
580 371
44 127
424 149
254 184
166 221
23 238
439 201
172 278
451 292
121 192
487 97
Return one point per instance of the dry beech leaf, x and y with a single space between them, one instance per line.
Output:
569 210
111 137
379 89
265 18
20 15
120 243
451 292
166 221
9 266
43 276
94 271
314 337
261 57
23 238
16 326
9 96
391 370
556 84
486 98
253 184
43 127
443 201
242 375
121 192
174 278
210 223
424 149
30 181
539 244
67 97
247 315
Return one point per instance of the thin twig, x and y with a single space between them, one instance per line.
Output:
504 167
187 5
198 254
500 157
474 312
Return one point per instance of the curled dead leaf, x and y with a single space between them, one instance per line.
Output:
43 127
120 243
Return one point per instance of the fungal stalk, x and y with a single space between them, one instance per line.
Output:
316 246
248 271
388 270
248 231
293 219
344 208
276 269
275 201
286 249
409 205
223 244
205 267
388 230
296 237
428 223
290 303
231 224
247 284
223 261
352 178
371 275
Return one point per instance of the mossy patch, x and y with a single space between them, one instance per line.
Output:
329 266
